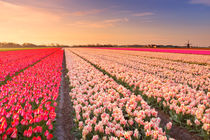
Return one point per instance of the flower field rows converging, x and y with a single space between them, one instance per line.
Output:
106 110
28 101
187 105
176 57
185 51
14 61
8 56
191 75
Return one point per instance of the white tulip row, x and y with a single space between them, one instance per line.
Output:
181 99
106 110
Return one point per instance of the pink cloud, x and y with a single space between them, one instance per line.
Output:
99 24
85 13
205 2
35 3
116 20
143 14
24 14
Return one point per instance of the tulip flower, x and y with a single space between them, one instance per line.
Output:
174 81
14 61
104 107
14 133
169 125
28 100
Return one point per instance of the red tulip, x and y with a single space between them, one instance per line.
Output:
46 133
4 137
15 122
52 115
9 131
24 122
14 133
37 129
50 127
3 125
49 137
48 122
36 138
28 133
55 104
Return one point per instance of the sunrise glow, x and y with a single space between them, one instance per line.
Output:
106 22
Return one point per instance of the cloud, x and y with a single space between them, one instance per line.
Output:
116 20
100 24
23 23
23 14
85 13
88 24
143 14
45 4
29 18
54 6
204 2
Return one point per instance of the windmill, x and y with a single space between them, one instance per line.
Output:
188 44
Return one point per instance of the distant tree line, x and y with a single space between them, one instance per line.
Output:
28 45
130 46
107 46
134 46
95 45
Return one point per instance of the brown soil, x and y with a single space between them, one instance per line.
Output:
176 132
64 121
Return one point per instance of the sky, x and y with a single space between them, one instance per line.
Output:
74 22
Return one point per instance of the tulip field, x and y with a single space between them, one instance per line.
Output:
114 94
14 61
118 94
28 99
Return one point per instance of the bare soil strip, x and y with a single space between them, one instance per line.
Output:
176 132
64 120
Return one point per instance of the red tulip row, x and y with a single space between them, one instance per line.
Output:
9 56
14 61
28 101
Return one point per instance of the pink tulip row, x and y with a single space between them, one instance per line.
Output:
176 57
184 51
172 65
195 76
181 100
194 59
28 101
107 110
14 61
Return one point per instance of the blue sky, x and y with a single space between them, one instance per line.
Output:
106 21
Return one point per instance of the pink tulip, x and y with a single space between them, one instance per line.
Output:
169 125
